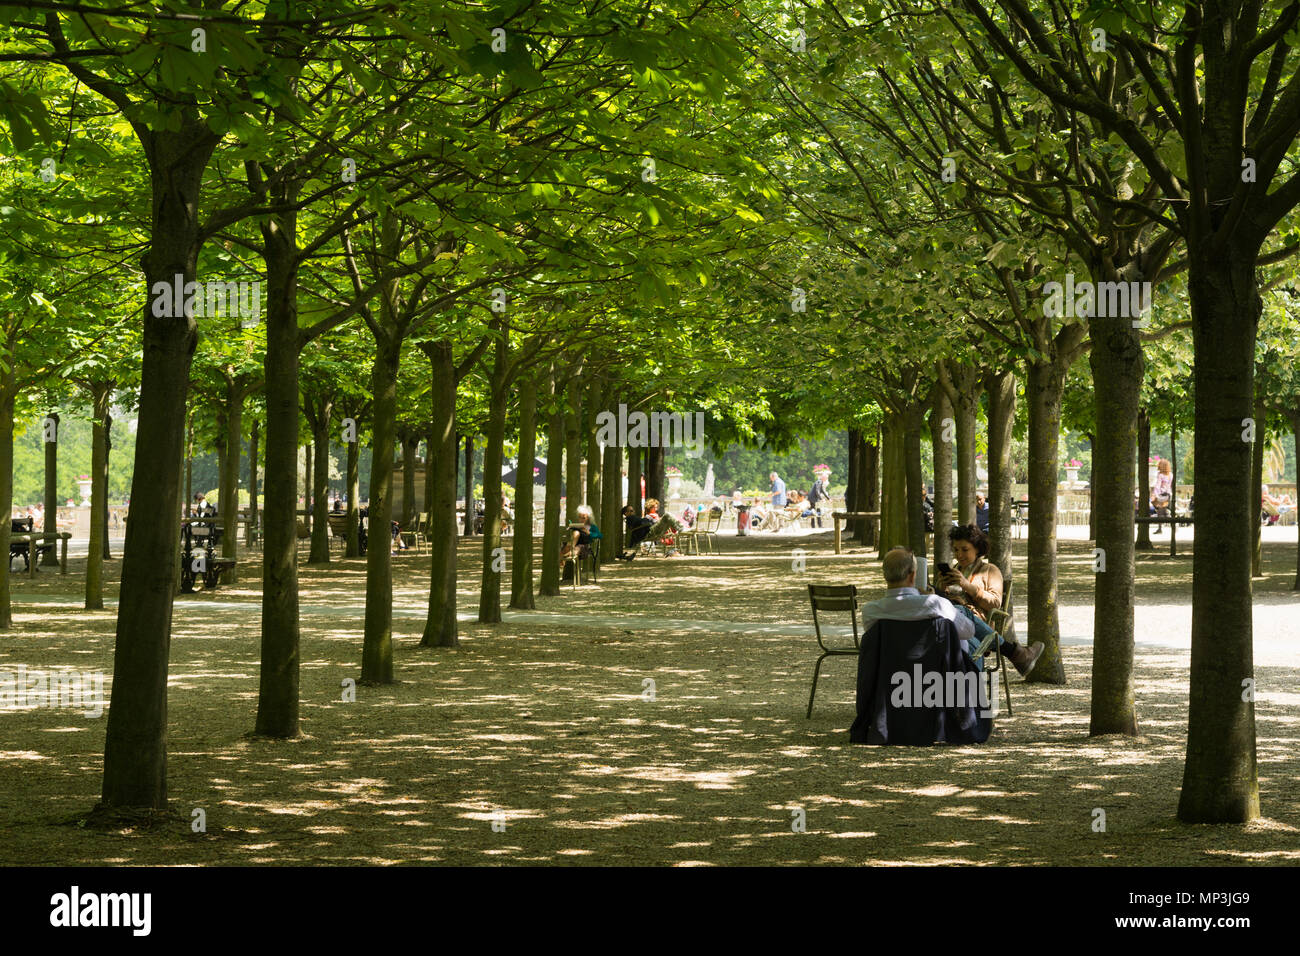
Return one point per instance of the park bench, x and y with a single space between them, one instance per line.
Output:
24 540
198 557
839 517
1173 521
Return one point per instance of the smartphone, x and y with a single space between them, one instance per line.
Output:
943 566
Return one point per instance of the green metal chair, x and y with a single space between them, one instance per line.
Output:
826 598
991 648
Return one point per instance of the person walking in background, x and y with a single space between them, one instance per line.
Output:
816 495
982 513
778 491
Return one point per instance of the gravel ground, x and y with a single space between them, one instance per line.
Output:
539 740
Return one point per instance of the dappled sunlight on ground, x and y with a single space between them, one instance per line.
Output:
655 717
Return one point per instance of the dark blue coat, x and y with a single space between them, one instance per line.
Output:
893 674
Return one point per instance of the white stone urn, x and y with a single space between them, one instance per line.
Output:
674 486
83 486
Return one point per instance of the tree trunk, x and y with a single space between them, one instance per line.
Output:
572 452
521 571
1256 483
635 464
851 487
1219 778
429 474
8 391
1117 372
410 510
135 745
1001 389
308 473
595 462
51 558
551 517
469 486
942 420
377 649
868 484
440 628
1092 496
1044 386
277 699
655 476
1143 478
254 438
494 556
1294 418
354 495
228 492
106 551
913 418
187 505
893 493
967 388
610 502
322 412
100 395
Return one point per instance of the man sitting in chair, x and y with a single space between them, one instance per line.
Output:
916 684
904 602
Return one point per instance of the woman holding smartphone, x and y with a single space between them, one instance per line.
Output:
976 583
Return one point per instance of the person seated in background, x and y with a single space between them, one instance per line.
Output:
1270 506
1162 492
975 586
636 528
507 514
982 513
337 507
581 534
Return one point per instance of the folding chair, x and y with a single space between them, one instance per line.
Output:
579 557
832 597
690 537
706 527
1000 621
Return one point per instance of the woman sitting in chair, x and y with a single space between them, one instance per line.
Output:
582 534
975 585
